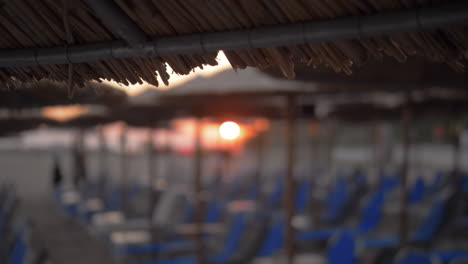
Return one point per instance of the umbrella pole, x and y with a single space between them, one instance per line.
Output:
198 192
260 146
314 208
151 171
375 149
456 141
102 162
331 137
80 177
290 183
406 122
123 169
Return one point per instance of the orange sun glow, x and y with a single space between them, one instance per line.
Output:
229 130
64 113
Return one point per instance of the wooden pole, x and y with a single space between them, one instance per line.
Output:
152 175
331 137
198 189
123 169
259 149
406 122
102 153
80 177
314 208
290 183
375 149
168 158
102 181
456 141
222 173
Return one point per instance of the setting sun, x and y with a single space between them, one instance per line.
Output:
229 130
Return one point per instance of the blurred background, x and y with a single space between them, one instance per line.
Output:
223 132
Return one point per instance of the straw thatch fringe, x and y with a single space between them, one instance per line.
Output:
32 23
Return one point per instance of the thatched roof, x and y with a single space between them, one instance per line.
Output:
49 93
246 82
233 94
448 107
436 106
388 75
28 23
364 112
144 115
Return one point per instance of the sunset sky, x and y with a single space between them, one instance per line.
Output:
181 137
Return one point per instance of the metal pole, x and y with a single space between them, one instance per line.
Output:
123 169
290 183
198 189
406 122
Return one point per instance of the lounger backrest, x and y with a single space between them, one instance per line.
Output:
389 182
277 195
214 212
336 201
414 258
361 179
372 212
274 239
342 249
436 183
5 212
235 234
19 252
302 196
417 192
114 200
432 222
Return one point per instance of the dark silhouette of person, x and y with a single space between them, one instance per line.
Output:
57 175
